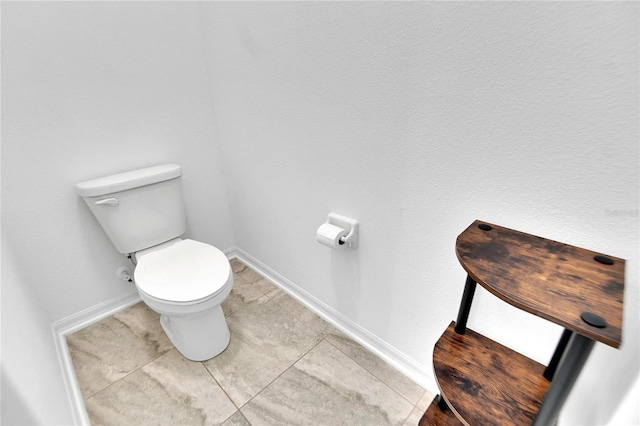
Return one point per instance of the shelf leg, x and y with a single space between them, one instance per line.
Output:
442 404
550 371
574 358
465 305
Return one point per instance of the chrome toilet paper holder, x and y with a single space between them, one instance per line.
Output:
347 223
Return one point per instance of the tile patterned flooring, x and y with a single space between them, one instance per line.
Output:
284 366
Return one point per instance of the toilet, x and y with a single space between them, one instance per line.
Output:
185 281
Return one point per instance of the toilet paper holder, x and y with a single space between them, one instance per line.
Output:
346 223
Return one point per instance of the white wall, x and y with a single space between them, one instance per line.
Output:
414 118
32 383
417 118
628 412
88 89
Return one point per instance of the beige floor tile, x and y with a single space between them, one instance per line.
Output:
112 348
236 420
241 295
248 274
130 373
383 371
264 285
299 311
327 388
265 341
419 409
168 391
260 283
236 265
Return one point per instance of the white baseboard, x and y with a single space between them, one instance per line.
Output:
71 324
398 360
406 365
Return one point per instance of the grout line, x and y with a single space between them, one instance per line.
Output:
280 291
311 332
324 338
221 387
409 367
295 317
375 376
283 372
129 373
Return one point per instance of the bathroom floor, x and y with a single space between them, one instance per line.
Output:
284 366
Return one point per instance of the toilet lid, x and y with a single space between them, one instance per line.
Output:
183 272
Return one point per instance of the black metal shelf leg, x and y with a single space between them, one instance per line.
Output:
442 404
550 371
465 305
574 358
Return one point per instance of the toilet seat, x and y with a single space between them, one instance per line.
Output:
182 273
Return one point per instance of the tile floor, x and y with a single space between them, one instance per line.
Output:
284 366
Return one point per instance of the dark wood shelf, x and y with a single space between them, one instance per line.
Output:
486 383
552 280
435 416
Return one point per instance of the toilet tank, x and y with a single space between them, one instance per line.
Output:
138 209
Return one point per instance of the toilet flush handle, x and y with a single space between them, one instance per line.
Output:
108 201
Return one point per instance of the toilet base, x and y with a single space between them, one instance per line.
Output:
199 336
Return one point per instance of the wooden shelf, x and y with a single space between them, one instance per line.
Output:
435 416
485 382
549 279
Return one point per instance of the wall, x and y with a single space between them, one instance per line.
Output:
32 383
89 89
628 412
417 118
414 118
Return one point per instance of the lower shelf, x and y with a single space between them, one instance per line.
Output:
434 416
484 382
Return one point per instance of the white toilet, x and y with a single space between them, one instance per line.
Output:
185 281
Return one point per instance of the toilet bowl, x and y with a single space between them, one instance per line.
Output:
186 281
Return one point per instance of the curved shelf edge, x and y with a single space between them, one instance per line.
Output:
555 281
485 382
435 416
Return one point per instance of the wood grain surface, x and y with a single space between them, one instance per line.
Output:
434 416
486 383
549 279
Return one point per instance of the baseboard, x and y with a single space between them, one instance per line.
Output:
398 360
71 324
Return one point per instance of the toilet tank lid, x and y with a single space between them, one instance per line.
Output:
128 180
